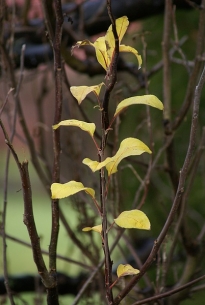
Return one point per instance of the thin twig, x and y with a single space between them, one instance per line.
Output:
178 196
148 174
136 258
59 256
22 121
94 273
6 100
166 61
170 292
87 283
56 43
195 72
112 77
7 176
28 213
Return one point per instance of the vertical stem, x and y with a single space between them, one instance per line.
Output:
3 221
56 137
105 245
166 60
28 215
170 151
179 193
105 124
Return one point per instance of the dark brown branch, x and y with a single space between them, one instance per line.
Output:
30 223
28 214
111 77
178 196
56 43
112 73
195 72
22 121
94 273
87 283
170 151
6 180
49 18
170 292
166 61
3 232
61 257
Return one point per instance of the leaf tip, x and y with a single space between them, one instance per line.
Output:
55 126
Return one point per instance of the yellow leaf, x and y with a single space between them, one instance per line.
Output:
105 45
150 100
100 49
95 228
121 27
133 219
89 127
80 92
81 43
59 191
124 48
101 52
123 270
128 147
92 164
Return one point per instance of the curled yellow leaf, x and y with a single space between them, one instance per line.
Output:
105 45
124 48
89 127
80 92
128 147
121 27
92 164
97 229
101 52
133 219
123 270
62 190
150 100
81 43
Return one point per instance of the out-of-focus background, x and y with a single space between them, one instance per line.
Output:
37 91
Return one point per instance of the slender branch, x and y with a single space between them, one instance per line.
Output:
166 61
196 70
187 242
148 173
170 151
6 178
112 72
94 273
137 259
3 230
49 16
76 241
178 196
56 144
59 256
112 77
170 292
87 283
22 121
28 214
